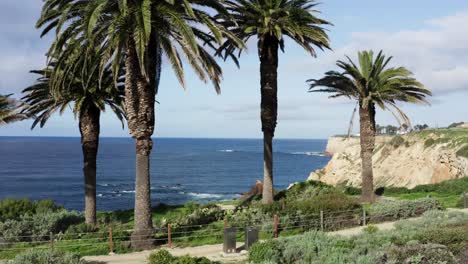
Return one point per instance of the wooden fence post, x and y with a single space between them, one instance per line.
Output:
169 237
321 220
364 220
225 222
111 242
275 218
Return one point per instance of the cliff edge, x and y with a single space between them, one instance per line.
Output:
425 157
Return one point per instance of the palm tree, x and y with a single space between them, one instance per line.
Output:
88 102
10 110
270 21
140 32
372 83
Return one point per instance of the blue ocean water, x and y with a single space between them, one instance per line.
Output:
200 170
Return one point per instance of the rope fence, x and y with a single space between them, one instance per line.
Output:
169 235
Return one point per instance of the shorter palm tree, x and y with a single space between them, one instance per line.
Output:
88 101
10 110
372 83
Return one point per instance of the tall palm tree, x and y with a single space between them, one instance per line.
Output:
88 102
372 83
10 110
140 32
271 21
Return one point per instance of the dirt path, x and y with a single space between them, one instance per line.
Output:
214 252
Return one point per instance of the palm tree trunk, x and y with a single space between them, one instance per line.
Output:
268 54
89 129
367 137
140 99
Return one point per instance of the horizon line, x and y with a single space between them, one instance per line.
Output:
117 137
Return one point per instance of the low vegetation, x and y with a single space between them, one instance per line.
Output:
412 242
164 257
46 257
449 193
299 209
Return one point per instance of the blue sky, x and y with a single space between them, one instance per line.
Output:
429 37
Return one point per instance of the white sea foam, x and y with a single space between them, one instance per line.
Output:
227 150
211 196
309 153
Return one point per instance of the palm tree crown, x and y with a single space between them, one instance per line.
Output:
273 19
43 102
175 28
373 83
10 110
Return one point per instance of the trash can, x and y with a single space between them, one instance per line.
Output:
251 236
229 245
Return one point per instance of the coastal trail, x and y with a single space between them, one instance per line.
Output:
214 252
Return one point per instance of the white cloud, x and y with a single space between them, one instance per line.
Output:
437 53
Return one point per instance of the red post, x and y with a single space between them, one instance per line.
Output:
276 225
169 237
111 242
225 223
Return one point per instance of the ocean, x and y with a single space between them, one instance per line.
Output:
182 169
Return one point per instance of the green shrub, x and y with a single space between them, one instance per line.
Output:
46 257
454 236
463 152
402 208
265 251
164 257
371 229
421 254
198 215
160 257
350 190
397 141
38 227
429 142
13 209
400 245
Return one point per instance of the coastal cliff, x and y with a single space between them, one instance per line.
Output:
425 157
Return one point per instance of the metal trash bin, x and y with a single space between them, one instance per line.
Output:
251 236
230 235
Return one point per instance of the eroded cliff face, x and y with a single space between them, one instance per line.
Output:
401 161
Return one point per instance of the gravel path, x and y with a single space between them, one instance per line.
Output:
214 252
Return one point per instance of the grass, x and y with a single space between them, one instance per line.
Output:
447 200
449 193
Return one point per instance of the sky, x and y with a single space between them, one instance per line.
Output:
428 37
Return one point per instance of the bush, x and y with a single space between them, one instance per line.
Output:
393 246
265 251
429 142
463 152
302 204
13 209
402 208
164 257
39 226
46 257
454 236
198 215
421 254
397 141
